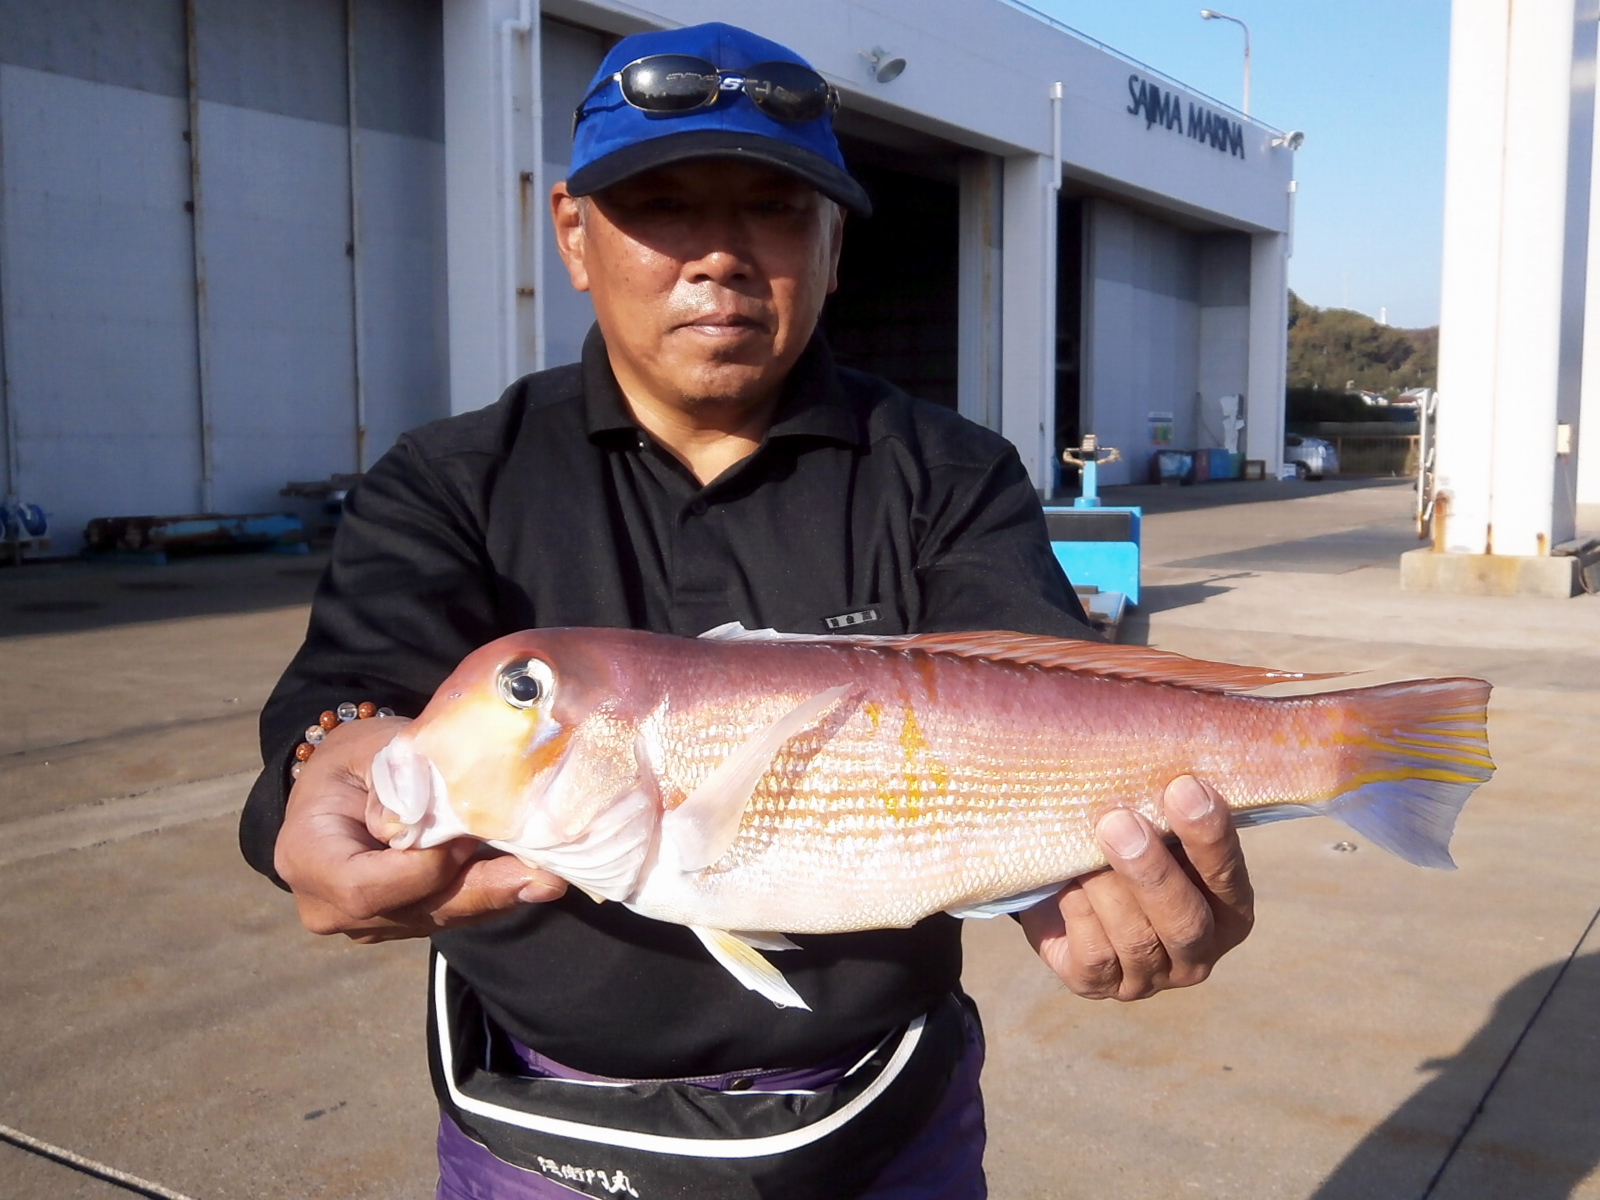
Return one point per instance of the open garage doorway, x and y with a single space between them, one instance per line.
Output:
895 313
1069 323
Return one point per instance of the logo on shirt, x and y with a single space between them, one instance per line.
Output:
613 1183
861 616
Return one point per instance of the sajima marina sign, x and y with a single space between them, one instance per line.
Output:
1166 108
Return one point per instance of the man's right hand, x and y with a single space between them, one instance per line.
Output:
346 880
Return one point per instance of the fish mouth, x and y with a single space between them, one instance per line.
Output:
411 787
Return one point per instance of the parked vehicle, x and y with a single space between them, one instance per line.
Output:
1312 457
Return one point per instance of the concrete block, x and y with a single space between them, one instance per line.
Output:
1426 570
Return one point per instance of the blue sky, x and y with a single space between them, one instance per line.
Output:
1365 80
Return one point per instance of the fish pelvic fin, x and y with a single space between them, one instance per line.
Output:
1138 663
1005 905
746 964
762 940
1424 751
702 828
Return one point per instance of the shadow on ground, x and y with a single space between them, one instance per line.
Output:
1534 1129
68 597
1376 545
1163 597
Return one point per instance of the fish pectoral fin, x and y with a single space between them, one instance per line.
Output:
1006 904
702 828
763 941
734 631
741 960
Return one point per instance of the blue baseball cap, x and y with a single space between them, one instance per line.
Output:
613 140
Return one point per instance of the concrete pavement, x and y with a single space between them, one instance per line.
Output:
1341 1051
165 1015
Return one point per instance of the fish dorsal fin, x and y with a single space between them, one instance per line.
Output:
1106 659
702 828
734 631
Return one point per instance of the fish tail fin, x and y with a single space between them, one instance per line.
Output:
1424 749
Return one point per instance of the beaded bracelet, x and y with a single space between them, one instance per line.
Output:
332 719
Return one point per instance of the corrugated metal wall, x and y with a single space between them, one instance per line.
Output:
98 246
1165 330
568 59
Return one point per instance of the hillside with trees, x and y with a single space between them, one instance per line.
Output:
1335 349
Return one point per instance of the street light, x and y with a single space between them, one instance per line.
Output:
1207 14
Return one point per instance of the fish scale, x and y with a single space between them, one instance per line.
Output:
1015 808
754 784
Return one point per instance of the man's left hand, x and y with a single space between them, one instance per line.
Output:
1158 918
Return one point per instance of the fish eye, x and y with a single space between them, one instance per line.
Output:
525 682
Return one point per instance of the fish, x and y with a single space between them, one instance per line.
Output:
753 785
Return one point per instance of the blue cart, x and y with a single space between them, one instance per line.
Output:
1097 544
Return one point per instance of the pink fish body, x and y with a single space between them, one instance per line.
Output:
749 785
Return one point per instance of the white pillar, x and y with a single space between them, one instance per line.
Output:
978 300
1028 336
1269 349
1587 436
1511 317
494 202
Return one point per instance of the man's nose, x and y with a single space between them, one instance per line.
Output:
723 254
724 265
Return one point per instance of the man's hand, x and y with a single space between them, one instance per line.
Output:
346 880
1156 919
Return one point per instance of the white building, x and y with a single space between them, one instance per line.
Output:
235 233
1521 252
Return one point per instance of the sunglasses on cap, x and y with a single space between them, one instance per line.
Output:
668 84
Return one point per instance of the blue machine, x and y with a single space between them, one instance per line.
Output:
1097 545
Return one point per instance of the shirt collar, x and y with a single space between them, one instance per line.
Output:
814 402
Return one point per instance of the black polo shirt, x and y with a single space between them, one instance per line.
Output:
863 509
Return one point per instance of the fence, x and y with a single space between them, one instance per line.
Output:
1375 454
1370 447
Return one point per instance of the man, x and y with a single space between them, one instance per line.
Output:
706 462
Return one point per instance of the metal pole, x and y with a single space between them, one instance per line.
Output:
1427 454
358 330
537 203
1422 463
1052 217
514 184
1211 14
1246 29
202 308
1288 242
7 412
1056 94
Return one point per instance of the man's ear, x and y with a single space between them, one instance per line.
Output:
835 246
567 219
